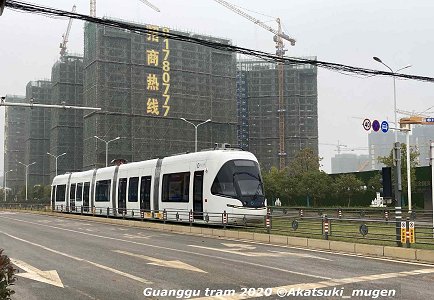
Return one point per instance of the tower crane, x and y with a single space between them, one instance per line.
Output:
65 36
278 38
93 6
338 146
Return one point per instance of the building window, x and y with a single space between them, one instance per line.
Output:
133 189
176 187
103 188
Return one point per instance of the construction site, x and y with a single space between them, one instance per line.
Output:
66 130
258 100
155 95
145 84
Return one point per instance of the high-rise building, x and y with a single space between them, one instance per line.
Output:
145 84
421 138
15 136
258 102
66 134
37 139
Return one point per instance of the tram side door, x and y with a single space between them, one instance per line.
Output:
122 195
86 197
145 194
198 195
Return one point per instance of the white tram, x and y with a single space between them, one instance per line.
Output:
208 183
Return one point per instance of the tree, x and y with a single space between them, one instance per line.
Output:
7 277
414 154
348 185
305 161
314 184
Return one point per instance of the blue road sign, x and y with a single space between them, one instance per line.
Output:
384 126
376 125
429 120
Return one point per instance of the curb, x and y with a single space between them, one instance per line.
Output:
412 254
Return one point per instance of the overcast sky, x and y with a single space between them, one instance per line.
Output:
400 32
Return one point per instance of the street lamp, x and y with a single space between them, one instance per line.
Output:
4 185
56 157
27 172
106 146
394 91
195 130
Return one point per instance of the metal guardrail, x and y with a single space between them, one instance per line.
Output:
378 226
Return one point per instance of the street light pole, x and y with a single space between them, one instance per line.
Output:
27 172
106 146
4 185
195 130
398 167
56 157
394 91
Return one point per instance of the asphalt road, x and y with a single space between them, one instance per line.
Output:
90 260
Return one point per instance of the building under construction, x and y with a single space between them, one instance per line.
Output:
145 84
37 139
66 132
258 105
15 128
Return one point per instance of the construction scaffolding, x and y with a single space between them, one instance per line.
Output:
37 140
66 131
15 128
258 102
145 84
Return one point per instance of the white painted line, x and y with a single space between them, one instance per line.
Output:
49 277
324 284
236 261
81 260
176 264
242 252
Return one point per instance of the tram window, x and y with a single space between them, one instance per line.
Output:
122 189
133 189
60 193
79 192
176 187
145 191
72 192
103 190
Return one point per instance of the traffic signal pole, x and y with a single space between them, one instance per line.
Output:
398 189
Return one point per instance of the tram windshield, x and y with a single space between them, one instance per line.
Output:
240 179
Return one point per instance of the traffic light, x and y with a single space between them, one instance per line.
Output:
386 181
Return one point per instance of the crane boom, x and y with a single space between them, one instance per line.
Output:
66 35
150 5
279 36
93 8
256 21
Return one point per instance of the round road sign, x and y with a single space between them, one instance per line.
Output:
375 125
367 124
384 126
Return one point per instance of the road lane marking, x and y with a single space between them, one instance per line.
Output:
239 246
176 264
142 280
242 252
324 284
176 250
50 277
